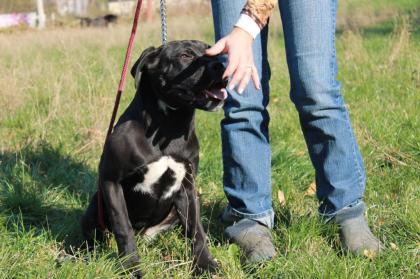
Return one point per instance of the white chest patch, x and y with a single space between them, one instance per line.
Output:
155 172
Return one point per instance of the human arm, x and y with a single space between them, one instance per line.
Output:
238 44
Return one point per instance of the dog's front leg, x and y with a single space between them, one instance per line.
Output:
120 225
188 208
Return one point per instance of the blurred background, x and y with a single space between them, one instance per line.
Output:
22 14
41 13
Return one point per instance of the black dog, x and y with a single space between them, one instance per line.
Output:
149 162
100 21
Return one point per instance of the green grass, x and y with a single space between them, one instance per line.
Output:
56 93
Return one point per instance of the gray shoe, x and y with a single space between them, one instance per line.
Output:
355 234
254 238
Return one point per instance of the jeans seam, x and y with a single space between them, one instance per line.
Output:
345 112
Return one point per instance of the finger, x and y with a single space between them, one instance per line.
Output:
237 76
219 47
231 66
256 78
245 80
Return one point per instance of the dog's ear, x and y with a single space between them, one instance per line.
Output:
147 60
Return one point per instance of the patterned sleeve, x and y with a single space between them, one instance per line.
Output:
259 11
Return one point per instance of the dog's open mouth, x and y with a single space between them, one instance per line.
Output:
216 93
211 99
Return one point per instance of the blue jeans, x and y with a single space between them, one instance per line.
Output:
309 34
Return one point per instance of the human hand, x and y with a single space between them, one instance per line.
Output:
238 46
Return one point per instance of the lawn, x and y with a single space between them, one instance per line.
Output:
57 89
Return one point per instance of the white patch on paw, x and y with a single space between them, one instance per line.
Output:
155 172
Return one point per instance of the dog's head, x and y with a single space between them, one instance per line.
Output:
182 76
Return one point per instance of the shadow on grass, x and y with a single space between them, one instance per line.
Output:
45 190
210 214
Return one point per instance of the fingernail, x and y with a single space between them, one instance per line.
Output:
231 86
241 90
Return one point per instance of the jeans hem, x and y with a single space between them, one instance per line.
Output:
266 218
353 210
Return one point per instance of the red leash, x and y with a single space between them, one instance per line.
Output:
121 88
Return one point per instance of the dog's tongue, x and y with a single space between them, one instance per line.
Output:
219 94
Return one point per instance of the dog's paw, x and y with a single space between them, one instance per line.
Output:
137 274
207 264
131 264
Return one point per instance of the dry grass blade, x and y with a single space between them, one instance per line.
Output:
393 246
311 191
281 198
401 42
369 254
391 156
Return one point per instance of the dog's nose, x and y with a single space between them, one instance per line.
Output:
215 68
